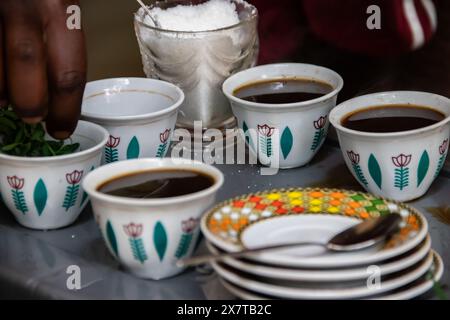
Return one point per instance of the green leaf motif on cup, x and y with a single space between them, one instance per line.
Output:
375 170
133 149
40 196
134 232
247 136
164 138
183 245
111 152
111 236
73 179
442 155
287 140
320 134
265 133
401 171
16 183
160 240
354 159
188 227
424 164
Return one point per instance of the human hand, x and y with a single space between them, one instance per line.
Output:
42 63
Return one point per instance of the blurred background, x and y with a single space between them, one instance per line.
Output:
330 33
112 47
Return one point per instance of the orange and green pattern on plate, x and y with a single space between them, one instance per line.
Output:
230 218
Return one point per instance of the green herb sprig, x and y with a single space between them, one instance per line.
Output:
28 140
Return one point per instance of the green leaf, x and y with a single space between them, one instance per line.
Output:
424 164
40 196
286 142
38 133
68 149
9 147
5 122
111 236
20 135
183 245
21 139
160 240
248 138
8 113
375 170
133 149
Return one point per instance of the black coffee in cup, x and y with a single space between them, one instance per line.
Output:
392 118
157 184
280 91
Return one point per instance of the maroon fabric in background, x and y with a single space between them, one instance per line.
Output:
343 24
340 23
281 29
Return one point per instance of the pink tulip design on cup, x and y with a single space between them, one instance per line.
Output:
265 141
17 185
402 171
442 155
164 137
319 135
73 179
111 152
134 232
354 159
188 227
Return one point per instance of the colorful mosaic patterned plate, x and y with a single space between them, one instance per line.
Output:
410 291
293 290
274 216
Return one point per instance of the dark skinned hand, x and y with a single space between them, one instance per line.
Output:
42 63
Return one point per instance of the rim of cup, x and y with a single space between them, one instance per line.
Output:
228 89
99 176
93 149
339 112
96 117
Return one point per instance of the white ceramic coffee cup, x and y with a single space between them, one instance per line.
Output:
45 192
398 165
148 236
287 134
139 114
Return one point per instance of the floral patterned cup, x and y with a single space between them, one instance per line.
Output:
45 192
399 165
284 135
139 114
148 236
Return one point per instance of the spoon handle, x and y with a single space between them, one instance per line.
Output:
193 261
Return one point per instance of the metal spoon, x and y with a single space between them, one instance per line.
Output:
361 236
147 10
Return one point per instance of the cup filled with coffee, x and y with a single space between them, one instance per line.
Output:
282 110
394 143
148 210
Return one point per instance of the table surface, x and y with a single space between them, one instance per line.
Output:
33 264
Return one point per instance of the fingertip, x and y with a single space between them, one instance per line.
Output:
60 135
30 115
32 120
60 130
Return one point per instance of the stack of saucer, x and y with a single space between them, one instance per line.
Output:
402 268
